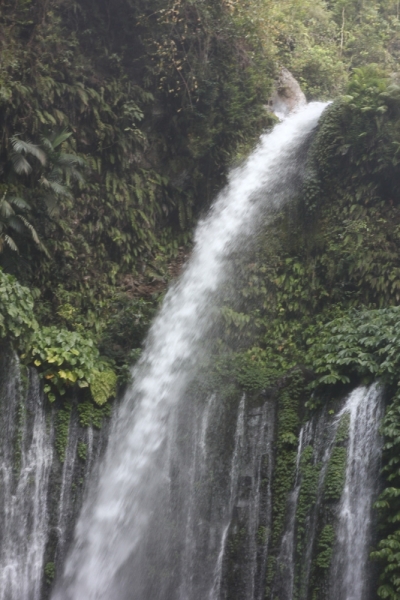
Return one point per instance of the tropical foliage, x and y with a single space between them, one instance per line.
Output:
13 212
64 358
118 128
320 290
17 318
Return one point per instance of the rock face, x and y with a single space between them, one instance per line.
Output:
40 496
287 96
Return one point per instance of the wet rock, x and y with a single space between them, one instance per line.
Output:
288 95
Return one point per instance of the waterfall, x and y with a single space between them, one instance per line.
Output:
286 558
26 454
38 494
215 592
350 568
349 514
246 540
130 541
66 500
239 434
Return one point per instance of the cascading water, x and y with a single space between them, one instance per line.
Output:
246 540
216 589
286 558
38 495
354 430
349 573
25 461
133 535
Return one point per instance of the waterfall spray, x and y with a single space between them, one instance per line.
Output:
23 501
123 509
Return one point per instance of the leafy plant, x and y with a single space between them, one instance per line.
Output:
13 218
365 342
17 319
65 358
22 149
62 168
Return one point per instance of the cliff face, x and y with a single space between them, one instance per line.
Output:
308 313
256 493
264 500
47 460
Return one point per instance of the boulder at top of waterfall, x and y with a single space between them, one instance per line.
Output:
287 96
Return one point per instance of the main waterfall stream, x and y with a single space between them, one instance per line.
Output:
150 528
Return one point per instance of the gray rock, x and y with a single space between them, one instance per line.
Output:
287 96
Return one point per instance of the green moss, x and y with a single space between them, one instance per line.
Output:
309 473
286 452
62 429
271 570
342 432
236 541
283 481
50 571
287 439
82 450
90 414
336 474
325 547
262 535
387 553
24 374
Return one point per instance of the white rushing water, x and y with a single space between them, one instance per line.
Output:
24 482
286 557
38 495
234 471
350 568
349 577
123 508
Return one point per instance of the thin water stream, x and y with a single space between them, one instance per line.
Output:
351 516
26 454
350 577
38 495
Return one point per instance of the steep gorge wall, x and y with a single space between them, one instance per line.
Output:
47 458
335 245
275 494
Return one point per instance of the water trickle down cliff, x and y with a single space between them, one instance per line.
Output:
39 496
351 578
324 551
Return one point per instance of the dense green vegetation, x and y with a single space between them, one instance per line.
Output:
119 123
118 127
156 101
319 295
62 357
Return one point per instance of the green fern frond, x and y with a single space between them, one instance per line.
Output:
10 243
20 146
